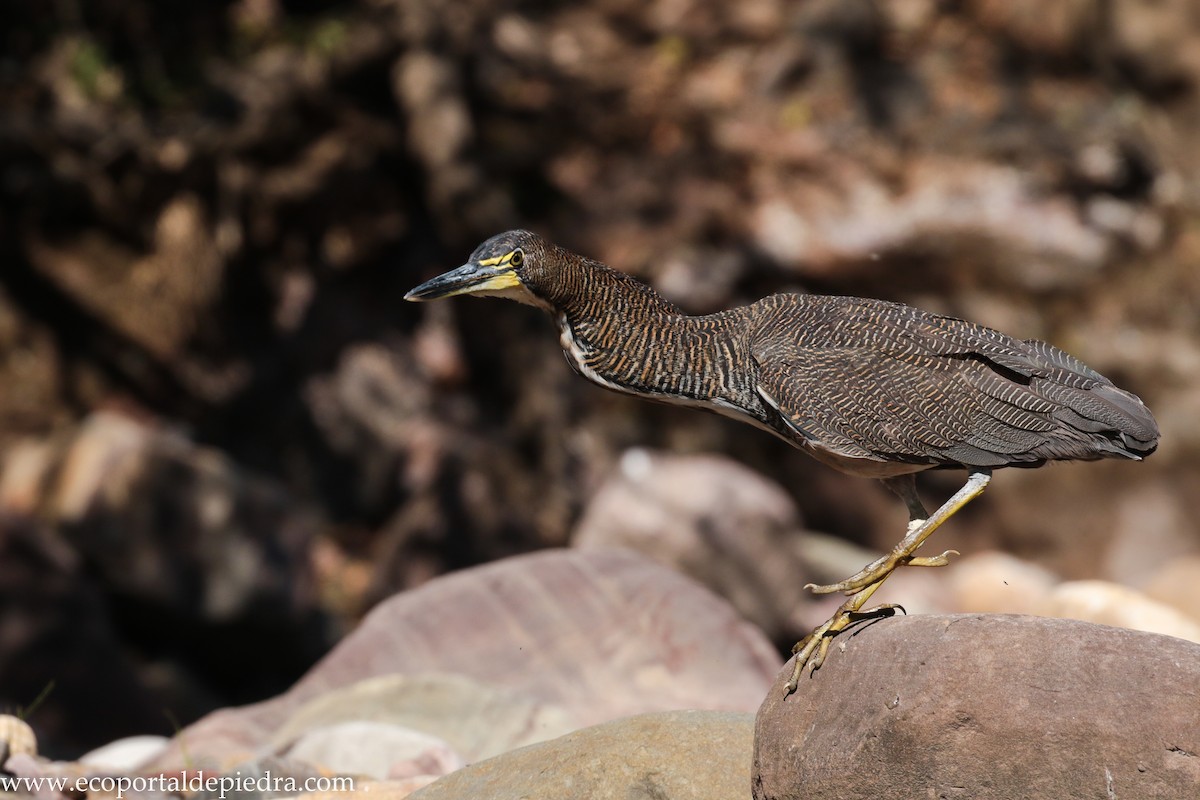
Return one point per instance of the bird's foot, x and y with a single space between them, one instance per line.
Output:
879 570
811 650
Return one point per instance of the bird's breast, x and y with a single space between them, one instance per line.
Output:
581 355
578 355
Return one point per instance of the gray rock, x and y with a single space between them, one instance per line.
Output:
713 519
1178 584
1152 527
476 720
986 707
124 755
1111 604
375 750
598 634
830 225
16 738
993 582
673 755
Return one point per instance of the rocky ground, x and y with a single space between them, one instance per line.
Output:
224 438
595 672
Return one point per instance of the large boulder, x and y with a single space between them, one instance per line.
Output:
562 639
985 706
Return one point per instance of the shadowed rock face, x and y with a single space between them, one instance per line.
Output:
986 707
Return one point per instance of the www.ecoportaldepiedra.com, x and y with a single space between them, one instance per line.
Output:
184 783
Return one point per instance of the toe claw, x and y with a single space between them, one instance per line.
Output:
876 612
803 651
818 658
931 561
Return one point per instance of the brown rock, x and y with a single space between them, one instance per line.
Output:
180 526
378 790
154 298
1054 30
709 517
1156 42
673 755
23 470
560 626
986 707
30 368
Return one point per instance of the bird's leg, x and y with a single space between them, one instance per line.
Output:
902 553
813 648
905 487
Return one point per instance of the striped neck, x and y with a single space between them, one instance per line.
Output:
585 289
619 333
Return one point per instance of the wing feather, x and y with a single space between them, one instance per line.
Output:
867 378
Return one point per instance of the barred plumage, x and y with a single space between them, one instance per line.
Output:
873 388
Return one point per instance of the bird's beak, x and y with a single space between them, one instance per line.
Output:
467 279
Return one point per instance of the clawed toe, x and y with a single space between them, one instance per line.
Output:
931 561
811 650
877 612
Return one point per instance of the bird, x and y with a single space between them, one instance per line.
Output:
873 388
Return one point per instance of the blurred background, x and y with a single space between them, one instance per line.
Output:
224 436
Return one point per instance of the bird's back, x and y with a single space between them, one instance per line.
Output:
866 381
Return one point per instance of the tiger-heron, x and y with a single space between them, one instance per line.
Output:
872 388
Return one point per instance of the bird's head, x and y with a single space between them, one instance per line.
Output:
513 264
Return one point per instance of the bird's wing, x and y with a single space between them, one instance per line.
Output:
869 379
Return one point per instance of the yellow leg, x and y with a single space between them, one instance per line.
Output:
878 570
811 649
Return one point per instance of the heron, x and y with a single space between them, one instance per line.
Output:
872 388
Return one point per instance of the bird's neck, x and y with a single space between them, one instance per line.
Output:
590 292
619 333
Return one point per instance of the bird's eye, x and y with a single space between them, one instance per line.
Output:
517 258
